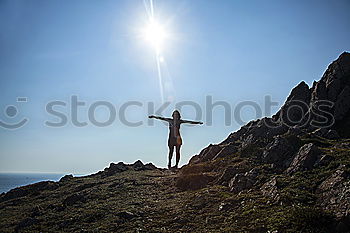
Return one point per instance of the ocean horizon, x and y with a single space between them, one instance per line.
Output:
10 181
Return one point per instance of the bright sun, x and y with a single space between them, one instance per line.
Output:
155 34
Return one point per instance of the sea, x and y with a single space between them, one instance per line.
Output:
9 181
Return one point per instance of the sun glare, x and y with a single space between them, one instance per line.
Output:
155 34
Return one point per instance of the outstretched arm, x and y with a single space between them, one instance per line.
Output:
160 118
192 122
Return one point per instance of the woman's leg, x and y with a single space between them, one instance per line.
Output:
178 147
171 151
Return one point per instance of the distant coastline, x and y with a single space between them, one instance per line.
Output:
10 181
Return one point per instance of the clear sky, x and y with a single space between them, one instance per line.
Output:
233 51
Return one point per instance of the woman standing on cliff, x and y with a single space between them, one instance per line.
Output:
175 139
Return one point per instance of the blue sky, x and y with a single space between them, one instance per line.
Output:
233 51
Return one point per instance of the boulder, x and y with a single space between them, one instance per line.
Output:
228 174
138 166
242 181
66 178
115 168
270 190
304 159
150 166
334 193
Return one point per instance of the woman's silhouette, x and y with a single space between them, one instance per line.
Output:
174 139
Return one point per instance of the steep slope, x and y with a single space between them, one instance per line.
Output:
301 151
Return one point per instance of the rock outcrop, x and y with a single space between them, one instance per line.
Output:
242 181
300 137
305 158
324 107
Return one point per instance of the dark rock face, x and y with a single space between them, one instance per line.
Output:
337 80
305 158
296 106
317 115
342 105
324 107
278 152
243 181
332 134
335 193
228 174
206 154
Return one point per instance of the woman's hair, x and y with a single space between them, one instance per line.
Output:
176 111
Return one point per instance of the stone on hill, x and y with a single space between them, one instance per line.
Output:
334 193
150 166
270 190
228 174
305 158
66 178
242 181
138 165
115 168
